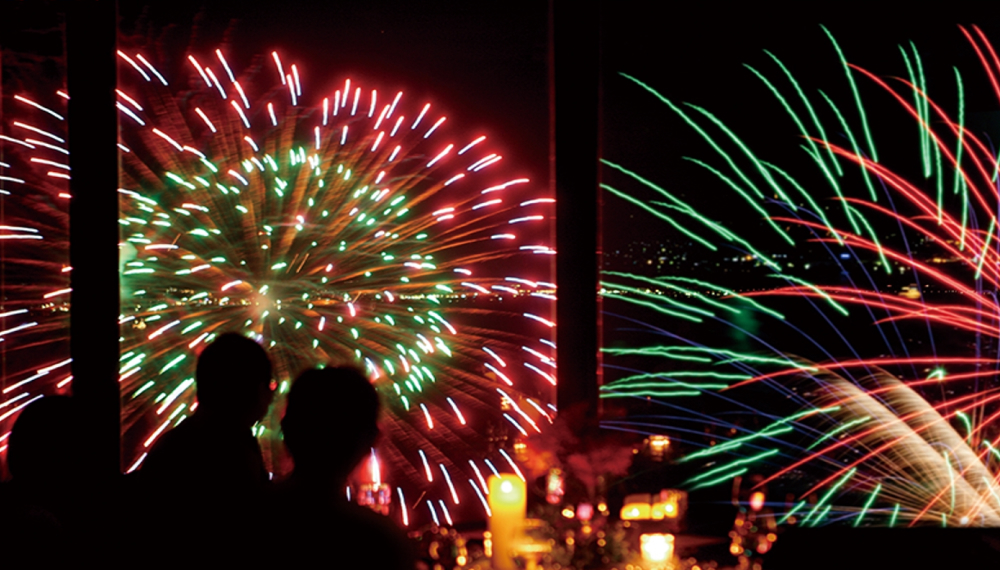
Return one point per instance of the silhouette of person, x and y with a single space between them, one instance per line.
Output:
42 507
330 425
209 470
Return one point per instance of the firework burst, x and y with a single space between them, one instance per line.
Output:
898 427
359 227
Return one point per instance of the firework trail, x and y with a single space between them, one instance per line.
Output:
360 227
883 431
34 275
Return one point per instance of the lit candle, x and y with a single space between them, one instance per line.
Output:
508 501
657 547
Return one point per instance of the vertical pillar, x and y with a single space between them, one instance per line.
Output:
574 92
91 43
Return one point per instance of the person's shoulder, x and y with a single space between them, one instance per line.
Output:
368 517
371 528
175 436
170 449
343 534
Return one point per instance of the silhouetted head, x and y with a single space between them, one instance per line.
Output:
331 421
46 442
234 379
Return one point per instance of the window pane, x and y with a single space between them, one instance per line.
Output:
34 186
356 187
800 264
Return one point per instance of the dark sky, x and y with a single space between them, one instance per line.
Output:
695 55
485 63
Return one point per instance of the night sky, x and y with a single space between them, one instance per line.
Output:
485 64
694 56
